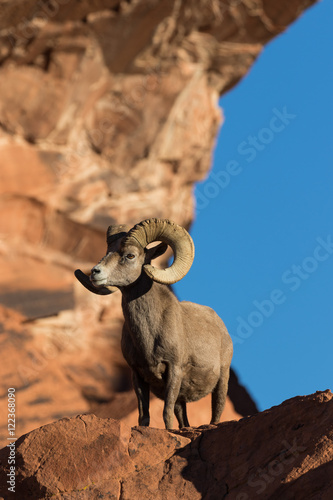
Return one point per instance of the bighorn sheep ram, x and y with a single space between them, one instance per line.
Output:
179 350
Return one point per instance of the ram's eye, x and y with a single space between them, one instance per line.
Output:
130 256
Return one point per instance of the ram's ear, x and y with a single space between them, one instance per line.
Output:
153 253
85 281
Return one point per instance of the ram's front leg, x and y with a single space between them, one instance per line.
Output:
173 383
142 393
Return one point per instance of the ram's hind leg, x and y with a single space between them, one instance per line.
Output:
142 393
219 395
181 414
172 387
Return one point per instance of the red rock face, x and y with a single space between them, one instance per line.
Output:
284 452
108 114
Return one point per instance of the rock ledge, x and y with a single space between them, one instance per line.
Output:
279 453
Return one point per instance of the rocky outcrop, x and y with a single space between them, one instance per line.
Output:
108 113
279 453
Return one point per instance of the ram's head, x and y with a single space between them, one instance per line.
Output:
128 255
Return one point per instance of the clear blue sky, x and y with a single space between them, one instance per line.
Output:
263 232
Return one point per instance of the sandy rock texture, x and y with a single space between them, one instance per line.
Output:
285 452
108 114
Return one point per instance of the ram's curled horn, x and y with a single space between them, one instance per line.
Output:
176 236
114 233
85 281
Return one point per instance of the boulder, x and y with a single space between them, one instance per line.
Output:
284 452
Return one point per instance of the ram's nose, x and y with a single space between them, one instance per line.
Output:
96 274
95 271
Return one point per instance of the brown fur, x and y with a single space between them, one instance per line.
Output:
179 350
